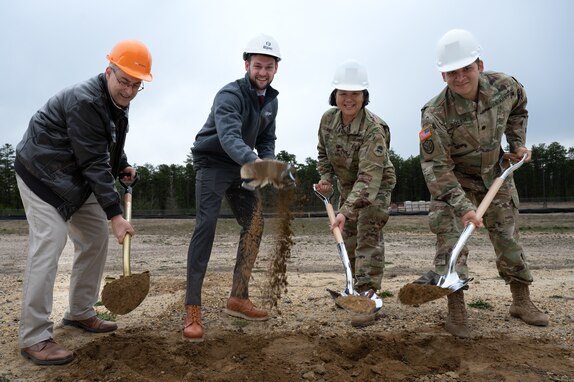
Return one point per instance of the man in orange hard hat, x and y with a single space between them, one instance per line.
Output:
66 167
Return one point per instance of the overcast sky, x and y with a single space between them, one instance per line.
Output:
197 48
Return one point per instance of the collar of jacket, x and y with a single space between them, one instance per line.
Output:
270 92
355 127
486 91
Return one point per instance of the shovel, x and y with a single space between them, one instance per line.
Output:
258 174
431 285
349 290
122 295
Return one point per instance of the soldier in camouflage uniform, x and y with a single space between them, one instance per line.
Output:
460 147
354 147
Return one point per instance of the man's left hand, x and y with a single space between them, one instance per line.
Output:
518 154
128 174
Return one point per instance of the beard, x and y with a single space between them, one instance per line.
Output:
260 84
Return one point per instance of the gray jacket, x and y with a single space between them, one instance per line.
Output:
236 126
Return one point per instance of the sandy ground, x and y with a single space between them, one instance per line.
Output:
308 338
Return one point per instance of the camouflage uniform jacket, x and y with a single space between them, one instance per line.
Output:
358 155
460 140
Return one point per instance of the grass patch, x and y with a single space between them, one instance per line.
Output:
107 316
4 378
385 294
480 304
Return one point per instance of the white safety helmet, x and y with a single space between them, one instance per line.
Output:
456 49
351 75
262 44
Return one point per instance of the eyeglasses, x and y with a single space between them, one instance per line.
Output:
139 86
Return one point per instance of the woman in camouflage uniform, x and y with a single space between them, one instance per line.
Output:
354 148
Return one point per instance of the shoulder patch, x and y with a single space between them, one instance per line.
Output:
425 133
379 150
428 146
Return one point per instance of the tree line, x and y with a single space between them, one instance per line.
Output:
170 189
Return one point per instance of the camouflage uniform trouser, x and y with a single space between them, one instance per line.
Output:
365 244
500 219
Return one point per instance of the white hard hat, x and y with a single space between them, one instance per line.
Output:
262 44
351 75
456 49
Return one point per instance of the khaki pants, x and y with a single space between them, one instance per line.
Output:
48 233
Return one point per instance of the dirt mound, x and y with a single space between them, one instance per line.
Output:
143 354
307 337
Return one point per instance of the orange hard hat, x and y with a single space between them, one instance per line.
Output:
133 58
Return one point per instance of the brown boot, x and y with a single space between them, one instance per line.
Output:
523 308
456 321
192 325
47 352
244 308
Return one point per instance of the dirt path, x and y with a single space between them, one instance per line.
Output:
308 338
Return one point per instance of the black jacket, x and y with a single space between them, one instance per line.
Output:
74 146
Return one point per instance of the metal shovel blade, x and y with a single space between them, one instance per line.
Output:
452 282
268 171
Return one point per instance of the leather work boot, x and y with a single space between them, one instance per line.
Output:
456 323
47 352
192 325
523 308
92 324
244 308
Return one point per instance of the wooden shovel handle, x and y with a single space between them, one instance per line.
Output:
489 197
127 239
496 185
336 230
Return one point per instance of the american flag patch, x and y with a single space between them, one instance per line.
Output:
425 134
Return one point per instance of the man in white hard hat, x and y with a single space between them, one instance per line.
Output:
460 147
242 119
353 148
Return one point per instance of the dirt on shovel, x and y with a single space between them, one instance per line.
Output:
361 308
356 304
416 294
121 296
